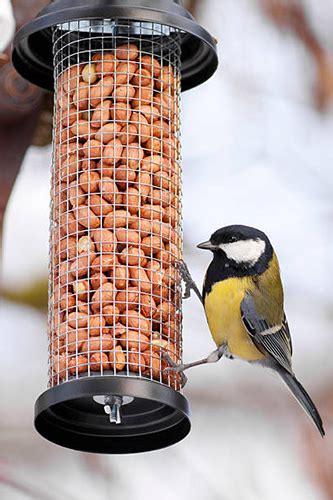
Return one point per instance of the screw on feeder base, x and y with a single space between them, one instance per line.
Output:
112 407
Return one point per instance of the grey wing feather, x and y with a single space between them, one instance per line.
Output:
274 340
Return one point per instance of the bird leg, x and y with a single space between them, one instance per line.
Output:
189 282
180 368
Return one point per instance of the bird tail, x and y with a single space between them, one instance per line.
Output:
303 398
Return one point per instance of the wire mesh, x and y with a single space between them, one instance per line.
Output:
116 228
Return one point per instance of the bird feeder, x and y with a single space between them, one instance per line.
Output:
117 69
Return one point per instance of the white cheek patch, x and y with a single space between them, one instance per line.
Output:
246 251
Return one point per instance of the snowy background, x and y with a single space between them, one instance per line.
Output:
255 151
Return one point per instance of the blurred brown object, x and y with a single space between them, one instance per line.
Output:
20 106
290 14
43 131
192 6
4 59
26 10
319 452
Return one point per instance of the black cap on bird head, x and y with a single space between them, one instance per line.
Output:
242 246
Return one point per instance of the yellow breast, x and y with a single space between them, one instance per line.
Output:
222 306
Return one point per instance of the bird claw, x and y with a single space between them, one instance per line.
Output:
187 278
176 368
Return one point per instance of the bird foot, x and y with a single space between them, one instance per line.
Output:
188 280
176 368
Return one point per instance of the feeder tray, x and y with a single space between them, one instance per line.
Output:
115 318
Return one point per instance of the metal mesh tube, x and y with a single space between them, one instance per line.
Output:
116 228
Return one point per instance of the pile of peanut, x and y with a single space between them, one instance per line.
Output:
115 229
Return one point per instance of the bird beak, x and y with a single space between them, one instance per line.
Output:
206 245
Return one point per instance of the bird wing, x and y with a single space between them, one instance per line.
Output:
270 339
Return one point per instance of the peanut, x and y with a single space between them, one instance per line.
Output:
101 115
118 218
85 245
70 78
113 152
97 280
77 364
73 341
98 360
76 195
86 217
105 240
152 212
81 129
147 306
137 361
108 132
132 256
80 266
92 149
111 314
120 112
105 63
89 74
117 358
67 302
103 263
99 206
143 226
136 321
127 51
104 343
151 64
166 79
161 197
127 299
81 289
101 90
97 326
128 133
132 154
142 78
142 125
77 320
127 237
119 276
68 248
123 93
124 176
103 296
131 199
151 245
152 164
80 97
89 181
134 340
143 95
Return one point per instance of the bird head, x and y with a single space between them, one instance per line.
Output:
241 246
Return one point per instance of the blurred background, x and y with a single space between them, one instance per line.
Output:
257 150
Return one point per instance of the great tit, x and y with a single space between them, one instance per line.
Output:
243 301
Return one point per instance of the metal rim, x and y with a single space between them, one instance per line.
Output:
32 53
68 416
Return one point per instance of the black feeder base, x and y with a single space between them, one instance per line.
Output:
73 415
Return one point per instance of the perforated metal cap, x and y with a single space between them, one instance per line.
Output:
32 54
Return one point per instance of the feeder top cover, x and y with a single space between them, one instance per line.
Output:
32 52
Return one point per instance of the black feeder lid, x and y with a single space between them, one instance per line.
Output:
32 52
